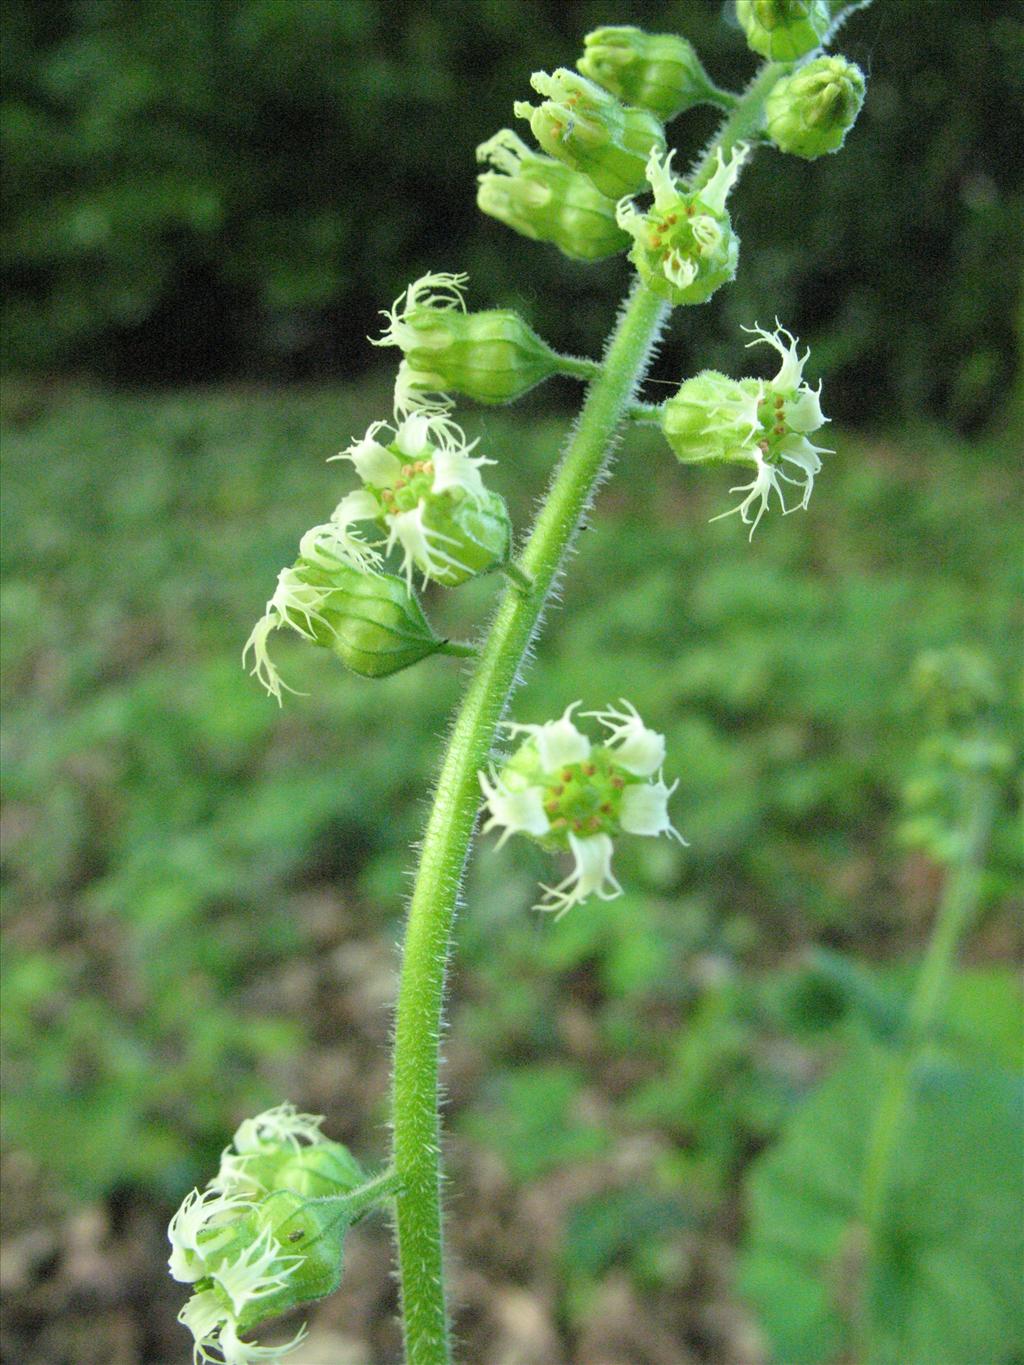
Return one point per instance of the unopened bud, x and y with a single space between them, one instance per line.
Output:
547 201
656 71
810 112
492 356
783 30
588 129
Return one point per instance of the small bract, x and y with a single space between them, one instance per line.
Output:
570 794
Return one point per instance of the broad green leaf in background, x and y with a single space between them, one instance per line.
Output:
944 1286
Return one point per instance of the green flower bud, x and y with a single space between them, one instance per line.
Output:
493 356
656 71
424 489
783 30
684 247
764 423
710 417
370 621
546 201
810 112
588 129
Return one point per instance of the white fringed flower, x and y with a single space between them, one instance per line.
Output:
570 794
766 423
281 1125
442 292
199 1213
414 477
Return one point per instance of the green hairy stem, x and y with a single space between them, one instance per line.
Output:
452 818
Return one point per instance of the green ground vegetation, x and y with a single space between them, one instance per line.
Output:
162 815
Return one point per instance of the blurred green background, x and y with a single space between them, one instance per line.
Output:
657 1107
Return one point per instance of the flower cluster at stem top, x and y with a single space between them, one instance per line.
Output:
766 423
570 794
263 1236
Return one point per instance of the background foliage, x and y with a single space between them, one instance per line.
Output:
230 187
658 1112
180 851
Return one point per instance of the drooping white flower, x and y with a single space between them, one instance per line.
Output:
591 875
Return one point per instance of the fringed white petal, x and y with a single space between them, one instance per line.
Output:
759 490
458 469
716 191
644 809
442 291
558 742
373 462
423 547
518 811
283 1124
636 748
791 369
592 874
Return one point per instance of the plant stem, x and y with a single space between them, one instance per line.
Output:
377 1190
579 367
450 827
956 911
648 414
460 649
457 795
515 575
